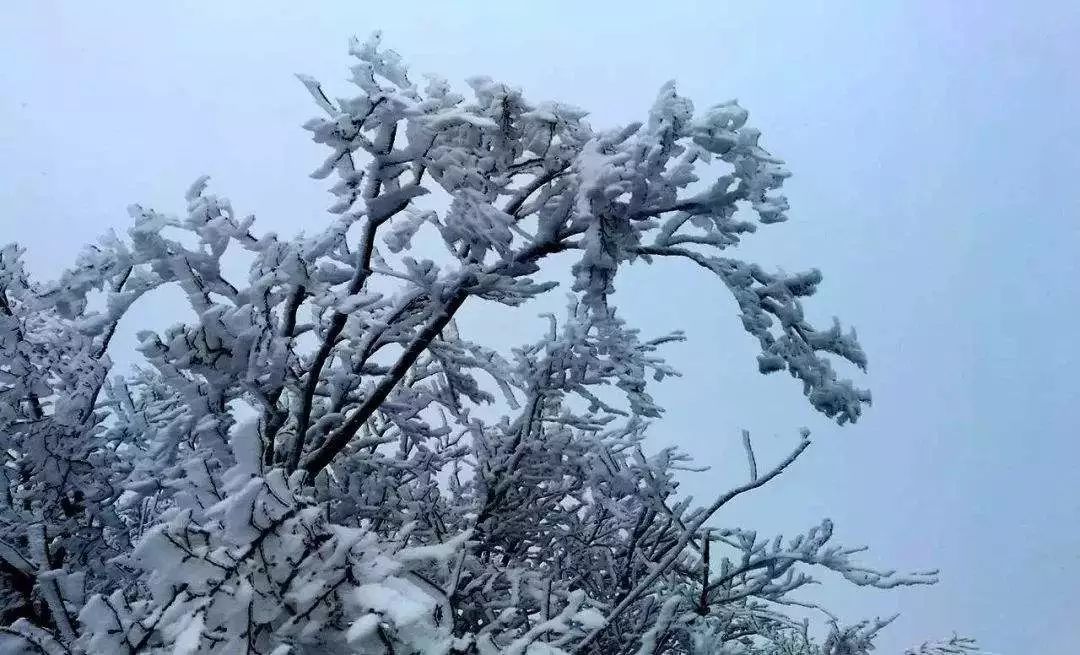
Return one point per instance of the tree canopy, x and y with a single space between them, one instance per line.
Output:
319 461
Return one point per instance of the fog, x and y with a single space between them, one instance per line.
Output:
933 146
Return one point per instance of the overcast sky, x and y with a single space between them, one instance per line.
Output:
934 146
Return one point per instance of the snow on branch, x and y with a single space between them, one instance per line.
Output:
315 459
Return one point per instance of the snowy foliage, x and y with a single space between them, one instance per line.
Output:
318 461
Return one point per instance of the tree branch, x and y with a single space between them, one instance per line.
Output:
676 550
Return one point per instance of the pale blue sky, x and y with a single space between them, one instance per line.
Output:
934 146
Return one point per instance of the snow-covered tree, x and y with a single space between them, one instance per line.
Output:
319 461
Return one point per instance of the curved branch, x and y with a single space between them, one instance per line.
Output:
676 550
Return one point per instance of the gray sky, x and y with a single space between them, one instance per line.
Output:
934 147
